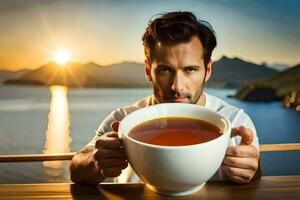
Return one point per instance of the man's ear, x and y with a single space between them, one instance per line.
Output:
208 70
148 70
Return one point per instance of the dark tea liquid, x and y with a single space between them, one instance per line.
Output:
175 131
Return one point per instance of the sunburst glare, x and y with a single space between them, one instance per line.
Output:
61 56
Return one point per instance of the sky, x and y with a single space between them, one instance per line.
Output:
108 32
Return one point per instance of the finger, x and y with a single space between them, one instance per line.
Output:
235 171
238 179
116 135
111 172
245 133
245 163
108 163
109 153
243 174
231 177
244 151
115 126
108 141
112 134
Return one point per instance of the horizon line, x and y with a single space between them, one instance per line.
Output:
131 61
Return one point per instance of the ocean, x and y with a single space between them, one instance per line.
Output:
57 119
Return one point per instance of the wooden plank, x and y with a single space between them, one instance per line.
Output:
268 187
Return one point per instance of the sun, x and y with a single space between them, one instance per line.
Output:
61 56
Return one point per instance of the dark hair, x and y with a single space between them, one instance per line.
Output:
177 27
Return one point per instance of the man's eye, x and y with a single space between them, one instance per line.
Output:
190 69
165 70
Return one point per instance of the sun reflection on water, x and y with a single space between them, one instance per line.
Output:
58 132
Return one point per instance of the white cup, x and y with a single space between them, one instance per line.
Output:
175 170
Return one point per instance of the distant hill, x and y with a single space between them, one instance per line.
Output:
283 85
126 74
233 72
4 75
226 72
51 74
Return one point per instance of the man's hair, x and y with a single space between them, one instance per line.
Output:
177 27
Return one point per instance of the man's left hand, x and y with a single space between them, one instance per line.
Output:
242 161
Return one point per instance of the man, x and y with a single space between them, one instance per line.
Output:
178 50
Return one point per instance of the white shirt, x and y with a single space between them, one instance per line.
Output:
236 116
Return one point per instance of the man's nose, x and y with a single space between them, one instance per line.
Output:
178 83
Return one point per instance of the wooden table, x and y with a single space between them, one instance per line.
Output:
268 187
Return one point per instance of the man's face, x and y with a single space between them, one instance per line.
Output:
177 72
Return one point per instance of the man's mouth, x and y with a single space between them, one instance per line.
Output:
179 99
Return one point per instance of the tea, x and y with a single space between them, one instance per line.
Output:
175 131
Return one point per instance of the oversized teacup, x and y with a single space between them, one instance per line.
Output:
175 170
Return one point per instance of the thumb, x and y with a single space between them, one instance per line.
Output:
115 126
245 133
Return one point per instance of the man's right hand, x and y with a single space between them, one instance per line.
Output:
109 154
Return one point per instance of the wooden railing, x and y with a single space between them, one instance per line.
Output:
36 157
68 156
279 147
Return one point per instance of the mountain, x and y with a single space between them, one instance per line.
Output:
283 85
233 72
126 74
51 74
226 72
4 75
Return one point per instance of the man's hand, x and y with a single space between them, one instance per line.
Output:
241 161
109 154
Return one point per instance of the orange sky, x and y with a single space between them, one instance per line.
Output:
110 32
